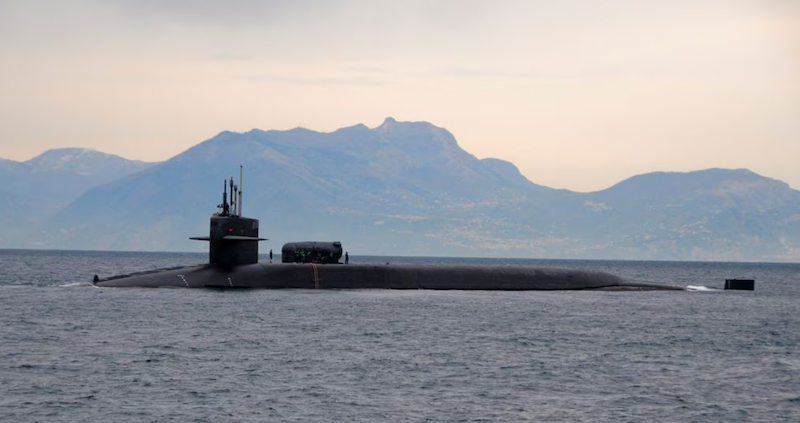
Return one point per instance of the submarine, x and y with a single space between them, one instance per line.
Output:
233 264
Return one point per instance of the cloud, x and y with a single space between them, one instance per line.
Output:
353 81
231 14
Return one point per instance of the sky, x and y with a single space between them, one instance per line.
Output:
579 94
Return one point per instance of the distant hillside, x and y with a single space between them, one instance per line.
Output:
714 214
401 187
407 188
35 190
60 175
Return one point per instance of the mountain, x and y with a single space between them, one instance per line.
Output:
714 214
58 176
407 188
401 187
35 190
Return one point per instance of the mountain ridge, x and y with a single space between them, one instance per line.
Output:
407 188
35 190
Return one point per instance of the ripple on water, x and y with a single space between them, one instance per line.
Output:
74 354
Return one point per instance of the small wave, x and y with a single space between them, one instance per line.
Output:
699 288
70 285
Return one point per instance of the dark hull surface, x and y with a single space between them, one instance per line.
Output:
362 276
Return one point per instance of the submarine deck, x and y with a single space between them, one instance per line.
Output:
368 276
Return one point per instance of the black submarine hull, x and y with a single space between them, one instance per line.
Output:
388 276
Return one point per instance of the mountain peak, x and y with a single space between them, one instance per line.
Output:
391 125
61 157
83 161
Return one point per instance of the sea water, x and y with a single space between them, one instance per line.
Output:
70 352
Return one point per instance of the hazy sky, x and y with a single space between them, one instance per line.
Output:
579 94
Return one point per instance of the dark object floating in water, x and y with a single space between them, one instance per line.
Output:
233 264
742 284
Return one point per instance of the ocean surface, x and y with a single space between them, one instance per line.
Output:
70 352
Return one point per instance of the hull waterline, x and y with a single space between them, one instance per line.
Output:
363 276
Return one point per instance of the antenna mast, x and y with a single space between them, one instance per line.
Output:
233 198
240 190
224 205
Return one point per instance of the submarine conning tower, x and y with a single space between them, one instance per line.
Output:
233 239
